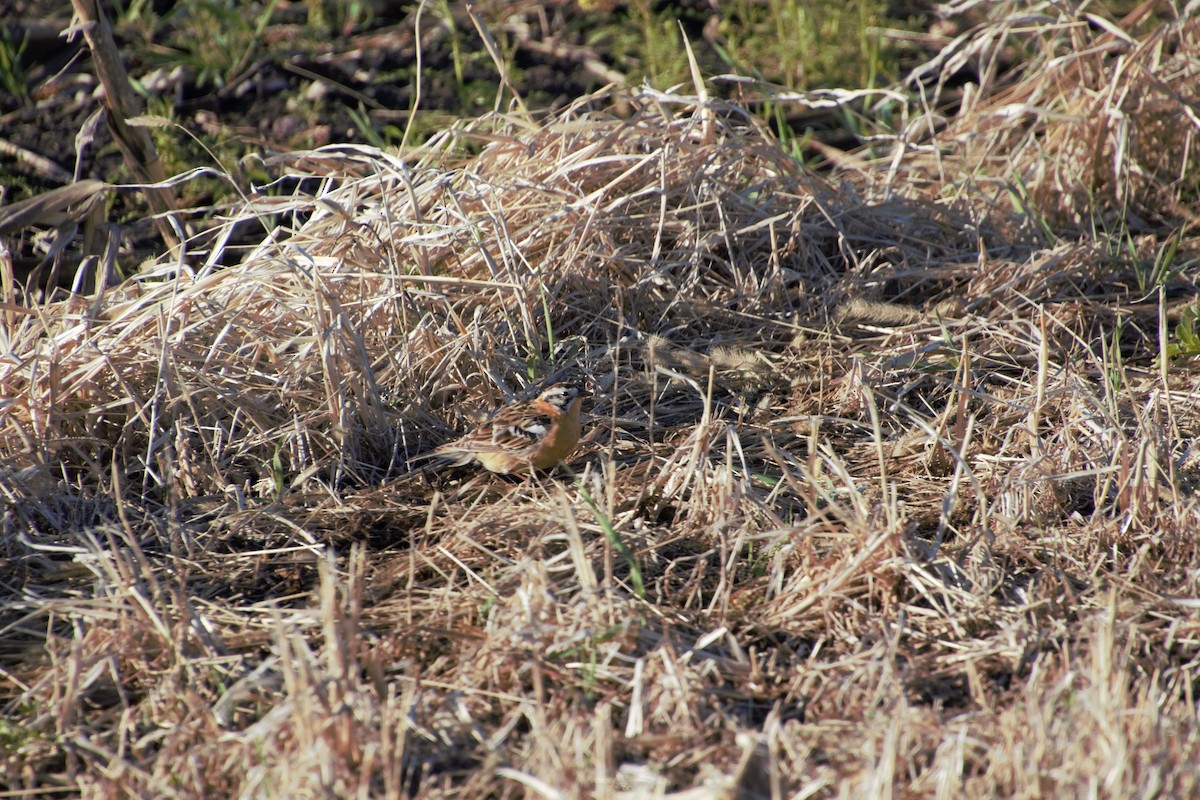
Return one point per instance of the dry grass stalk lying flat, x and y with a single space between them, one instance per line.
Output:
809 548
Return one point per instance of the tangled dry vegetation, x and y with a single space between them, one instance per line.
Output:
888 489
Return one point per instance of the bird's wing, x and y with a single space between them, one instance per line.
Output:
517 432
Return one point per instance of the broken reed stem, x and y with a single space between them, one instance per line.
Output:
121 104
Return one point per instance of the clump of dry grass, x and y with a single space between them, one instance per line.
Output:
1091 128
881 494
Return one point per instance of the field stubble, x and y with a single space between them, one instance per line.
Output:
888 489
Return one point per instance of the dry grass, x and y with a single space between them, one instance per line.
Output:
886 491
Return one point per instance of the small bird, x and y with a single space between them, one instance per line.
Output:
534 434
